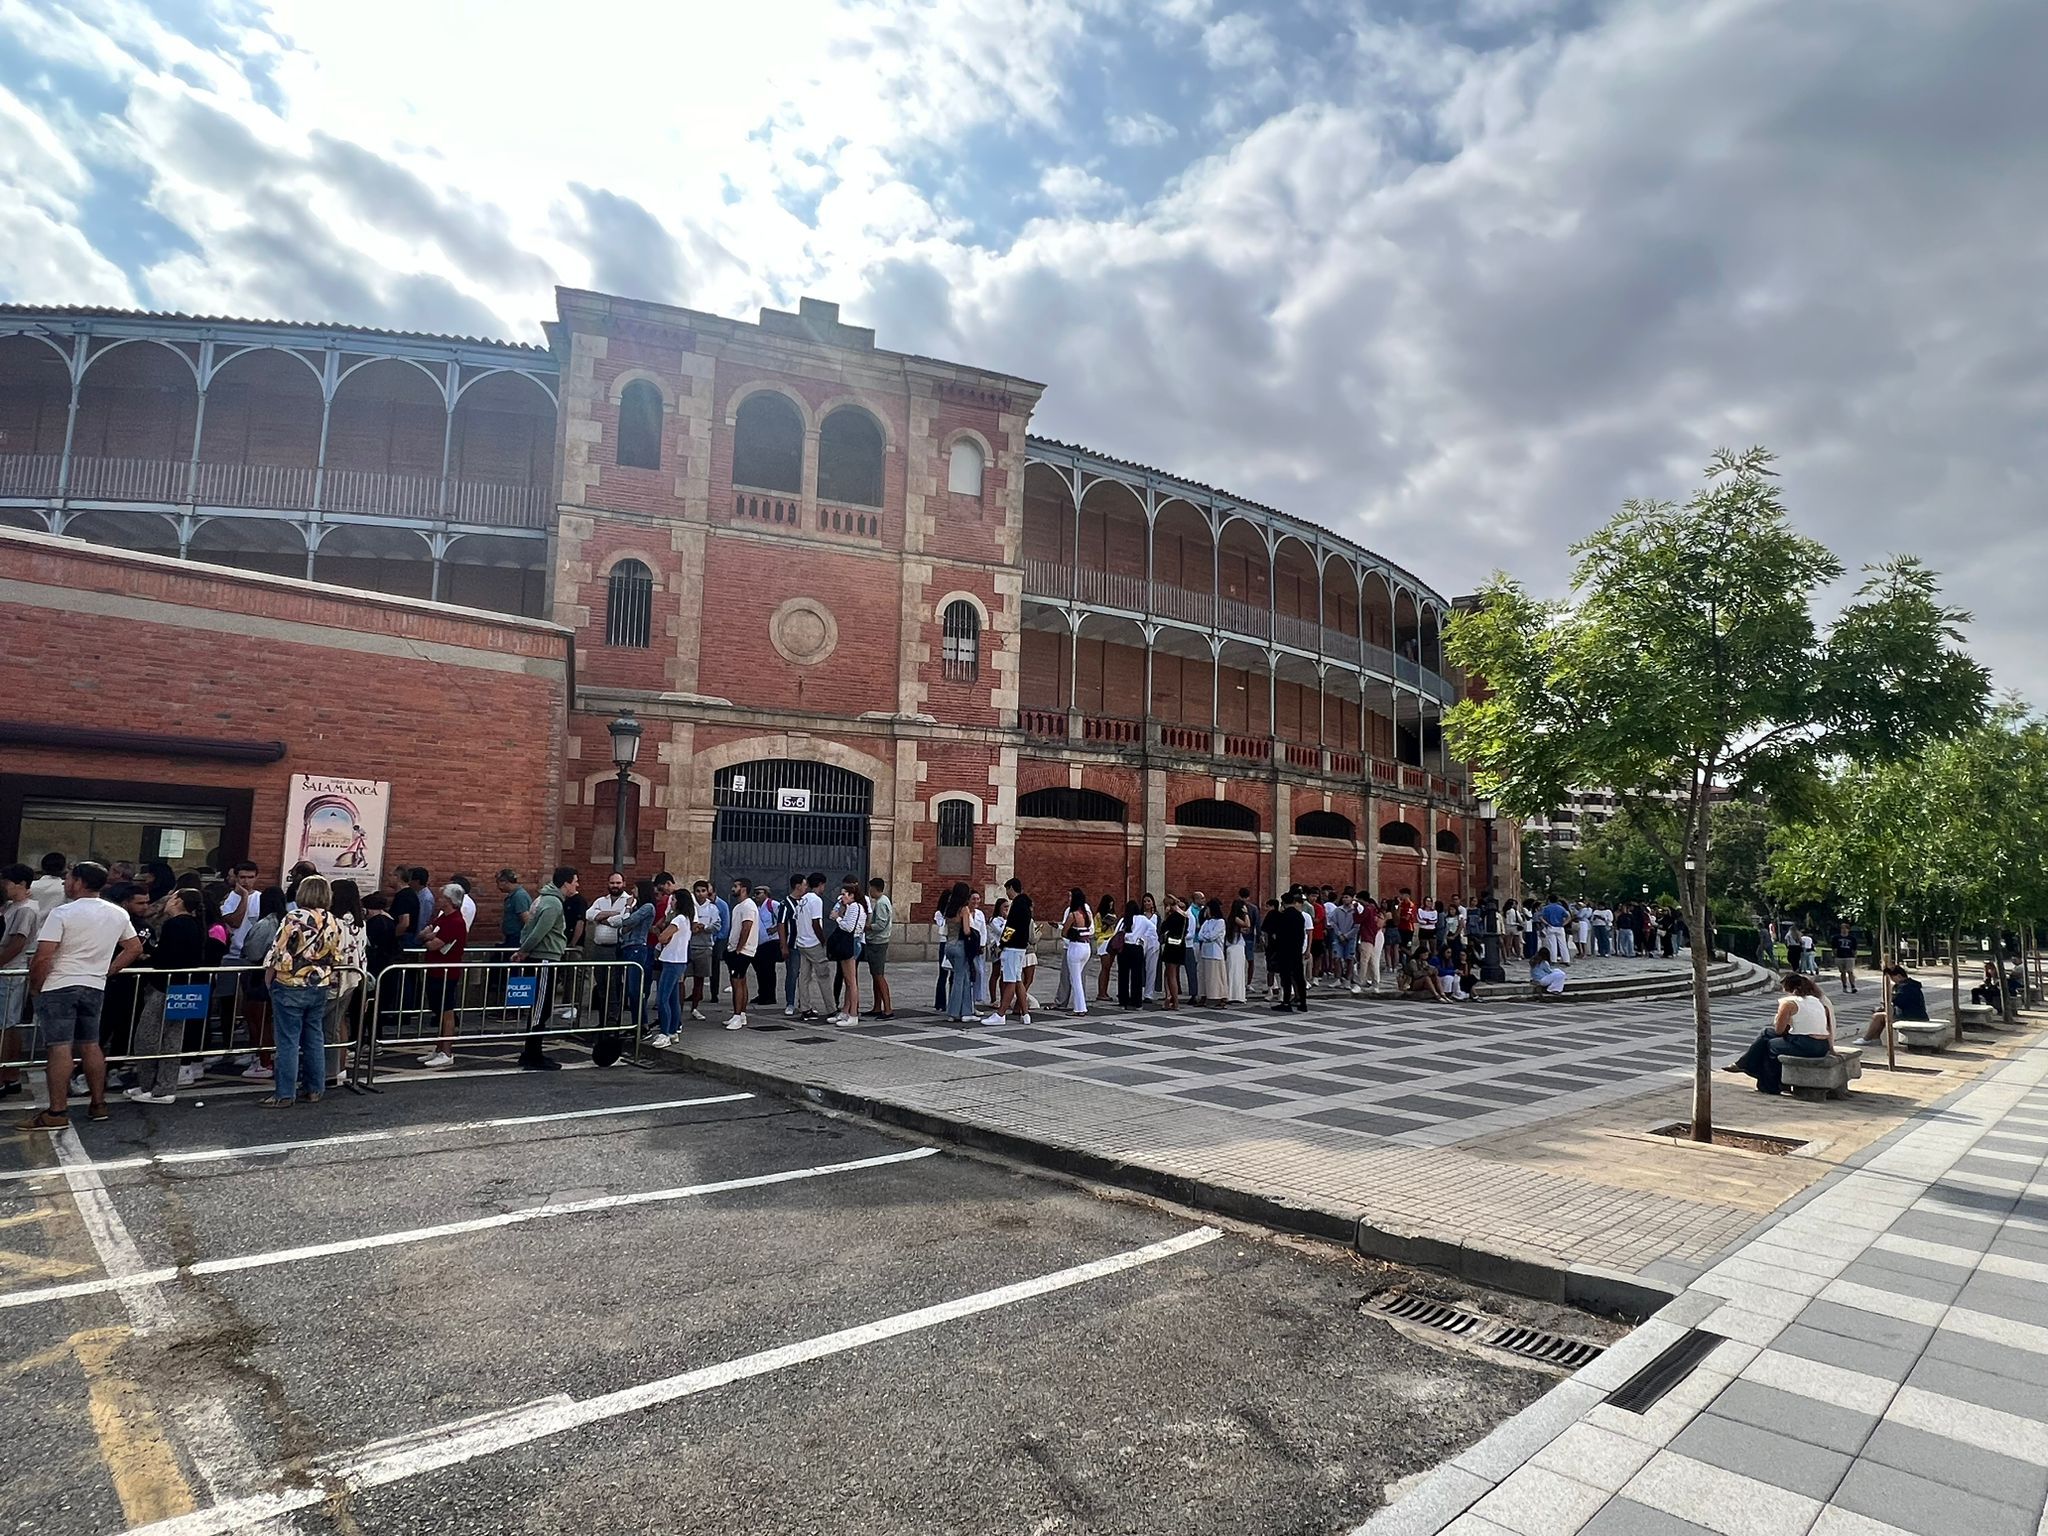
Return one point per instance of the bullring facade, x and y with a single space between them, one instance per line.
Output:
803 562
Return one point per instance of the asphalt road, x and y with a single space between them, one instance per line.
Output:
923 1342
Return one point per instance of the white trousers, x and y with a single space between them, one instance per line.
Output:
1079 952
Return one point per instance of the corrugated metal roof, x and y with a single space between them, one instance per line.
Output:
89 312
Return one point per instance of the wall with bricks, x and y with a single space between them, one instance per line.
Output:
462 713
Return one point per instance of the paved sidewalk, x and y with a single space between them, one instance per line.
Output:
1882 1365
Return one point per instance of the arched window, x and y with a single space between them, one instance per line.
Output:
956 837
963 468
1218 815
1323 824
850 458
629 606
1447 842
768 444
1066 804
1398 834
963 641
640 426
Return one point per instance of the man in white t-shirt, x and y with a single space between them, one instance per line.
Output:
741 945
814 986
81 943
239 909
20 921
48 889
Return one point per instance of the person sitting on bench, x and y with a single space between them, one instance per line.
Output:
1544 976
1908 1004
1804 1026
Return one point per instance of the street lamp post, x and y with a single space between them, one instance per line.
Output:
625 735
1490 968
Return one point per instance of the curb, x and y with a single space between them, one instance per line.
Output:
1523 1272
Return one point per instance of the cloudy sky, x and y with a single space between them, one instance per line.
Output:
1452 276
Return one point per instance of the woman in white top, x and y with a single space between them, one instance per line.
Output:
850 913
1804 1026
1209 951
1237 929
977 962
1077 933
1147 930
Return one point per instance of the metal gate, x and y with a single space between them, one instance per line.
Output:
755 839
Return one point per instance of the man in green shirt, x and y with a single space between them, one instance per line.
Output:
541 943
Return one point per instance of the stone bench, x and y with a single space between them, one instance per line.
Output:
1978 1015
1822 1077
1922 1035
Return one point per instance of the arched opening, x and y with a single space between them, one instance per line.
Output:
500 573
961 624
1044 644
1324 824
1216 816
1407 633
1112 546
964 468
27 518
259 444
1244 580
502 453
758 836
1244 698
1376 602
1298 707
1048 544
1183 688
1183 564
387 430
768 444
1399 834
1449 842
35 399
850 458
1297 586
1341 614
629 606
251 544
396 561
137 406
1066 803
639 426
956 837
146 532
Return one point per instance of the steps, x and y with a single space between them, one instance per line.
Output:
1731 977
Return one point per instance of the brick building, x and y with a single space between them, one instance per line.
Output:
866 622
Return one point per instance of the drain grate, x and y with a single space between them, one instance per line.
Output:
1639 1394
1538 1344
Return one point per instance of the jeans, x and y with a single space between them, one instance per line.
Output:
669 995
1624 941
1762 1060
630 992
299 1017
959 981
1600 943
791 963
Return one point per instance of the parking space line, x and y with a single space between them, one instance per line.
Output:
354 1138
142 1281
448 1445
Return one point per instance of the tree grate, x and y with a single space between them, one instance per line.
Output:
1537 1344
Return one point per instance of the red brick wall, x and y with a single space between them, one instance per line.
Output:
472 754
745 581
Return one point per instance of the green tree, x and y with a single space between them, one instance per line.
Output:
1689 662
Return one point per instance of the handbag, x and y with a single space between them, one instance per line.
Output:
840 944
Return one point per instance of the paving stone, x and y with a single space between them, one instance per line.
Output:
1929 1508
1937 1458
1794 1417
2005 1393
1851 1353
1809 1469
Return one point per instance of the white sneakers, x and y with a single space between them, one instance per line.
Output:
190 1074
1356 989
789 1012
144 1096
661 1042
992 1020
737 1021
256 1072
844 1019
437 1059
697 1014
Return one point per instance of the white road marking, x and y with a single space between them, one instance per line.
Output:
131 1276
355 1138
214 1444
447 1445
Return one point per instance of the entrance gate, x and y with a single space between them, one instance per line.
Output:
756 840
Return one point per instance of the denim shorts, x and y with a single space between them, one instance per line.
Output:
13 998
70 1015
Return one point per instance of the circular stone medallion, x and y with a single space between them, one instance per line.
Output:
803 631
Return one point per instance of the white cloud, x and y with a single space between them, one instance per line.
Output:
1069 188
1139 129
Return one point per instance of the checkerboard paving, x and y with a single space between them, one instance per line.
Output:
1883 1365
1425 1074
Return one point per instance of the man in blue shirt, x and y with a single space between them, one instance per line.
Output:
512 926
1554 918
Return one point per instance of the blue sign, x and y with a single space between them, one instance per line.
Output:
187 1002
520 991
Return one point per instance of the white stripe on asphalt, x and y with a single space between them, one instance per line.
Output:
448 1445
356 1138
128 1279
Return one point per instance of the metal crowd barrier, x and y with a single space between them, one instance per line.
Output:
201 1009
496 1002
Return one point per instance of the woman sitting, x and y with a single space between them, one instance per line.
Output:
1545 977
1419 978
1804 1026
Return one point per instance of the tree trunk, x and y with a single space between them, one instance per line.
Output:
1955 978
1695 900
1884 988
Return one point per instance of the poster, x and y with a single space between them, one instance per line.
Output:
337 825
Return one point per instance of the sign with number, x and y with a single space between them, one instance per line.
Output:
739 783
520 991
187 1002
792 799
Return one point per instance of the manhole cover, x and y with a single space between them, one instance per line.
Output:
1475 1327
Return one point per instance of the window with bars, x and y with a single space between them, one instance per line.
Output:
629 606
640 426
1217 815
962 641
1323 824
956 837
1067 804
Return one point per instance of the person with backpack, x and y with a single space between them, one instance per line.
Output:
843 938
